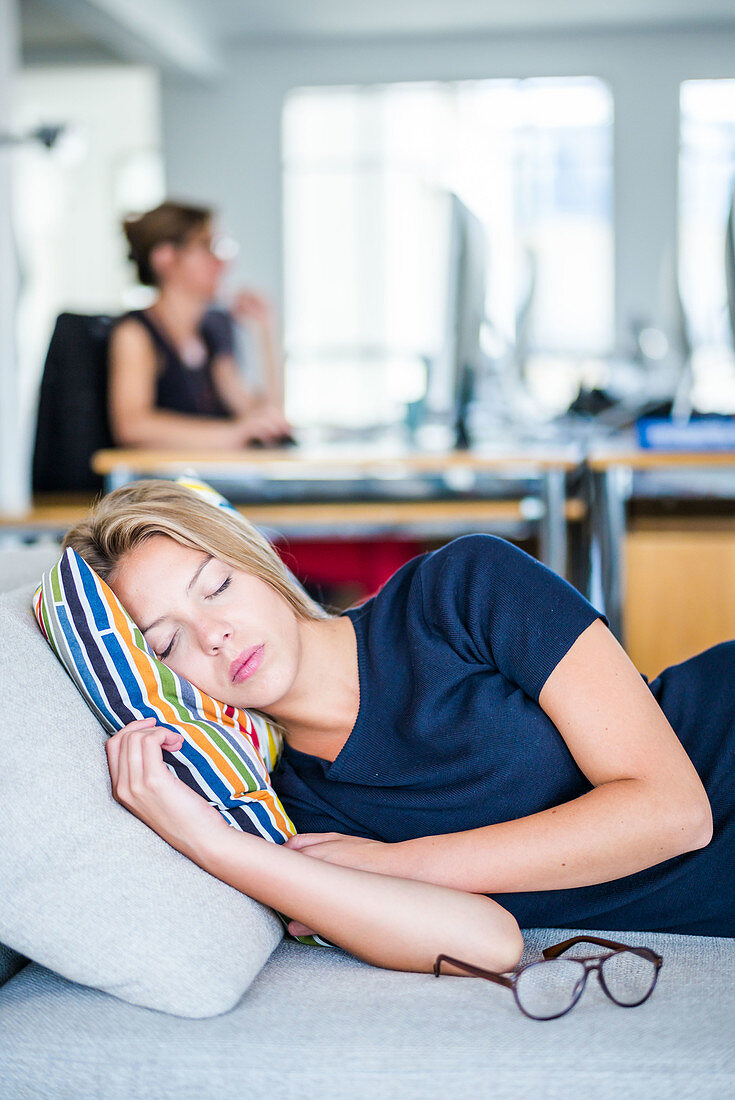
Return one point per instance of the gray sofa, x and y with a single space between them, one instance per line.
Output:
318 1023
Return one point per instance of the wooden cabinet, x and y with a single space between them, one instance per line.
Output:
679 589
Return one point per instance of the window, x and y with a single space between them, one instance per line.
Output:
367 176
706 182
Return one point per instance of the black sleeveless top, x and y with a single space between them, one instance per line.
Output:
179 387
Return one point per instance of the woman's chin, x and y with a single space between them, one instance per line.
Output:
249 700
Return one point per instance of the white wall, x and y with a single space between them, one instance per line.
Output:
14 490
69 203
222 145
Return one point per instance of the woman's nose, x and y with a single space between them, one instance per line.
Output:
214 636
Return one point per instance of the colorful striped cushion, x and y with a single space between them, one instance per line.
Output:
227 753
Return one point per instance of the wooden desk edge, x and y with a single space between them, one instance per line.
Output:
148 462
60 514
642 459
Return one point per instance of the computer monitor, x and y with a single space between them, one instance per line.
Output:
730 265
452 373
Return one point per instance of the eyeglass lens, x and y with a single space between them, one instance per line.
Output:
547 989
224 248
550 988
628 977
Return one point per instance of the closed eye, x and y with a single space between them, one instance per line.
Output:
169 647
221 588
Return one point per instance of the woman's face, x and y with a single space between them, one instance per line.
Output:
193 265
227 632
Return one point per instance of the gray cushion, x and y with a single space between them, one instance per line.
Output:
10 963
85 888
321 1025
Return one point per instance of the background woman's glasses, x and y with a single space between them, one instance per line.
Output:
549 988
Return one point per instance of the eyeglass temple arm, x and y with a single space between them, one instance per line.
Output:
559 948
477 971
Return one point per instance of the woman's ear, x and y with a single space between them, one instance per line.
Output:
161 258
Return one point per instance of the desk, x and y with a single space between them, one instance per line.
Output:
360 490
50 515
621 472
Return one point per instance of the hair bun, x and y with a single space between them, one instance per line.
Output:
171 221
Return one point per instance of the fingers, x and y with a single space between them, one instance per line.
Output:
296 928
131 760
117 757
148 755
134 755
248 304
265 424
268 428
173 740
305 840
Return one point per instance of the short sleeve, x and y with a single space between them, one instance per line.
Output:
498 606
218 331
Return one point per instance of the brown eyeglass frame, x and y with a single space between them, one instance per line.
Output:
553 952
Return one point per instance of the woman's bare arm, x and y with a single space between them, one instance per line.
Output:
390 922
233 392
273 366
255 407
646 806
255 310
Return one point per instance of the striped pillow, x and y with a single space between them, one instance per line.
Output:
227 753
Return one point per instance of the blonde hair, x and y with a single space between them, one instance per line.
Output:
127 517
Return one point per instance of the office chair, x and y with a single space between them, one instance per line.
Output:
72 418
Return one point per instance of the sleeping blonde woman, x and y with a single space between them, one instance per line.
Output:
467 752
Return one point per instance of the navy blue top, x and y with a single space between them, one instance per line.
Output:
452 654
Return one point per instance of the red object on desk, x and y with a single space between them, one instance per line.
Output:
369 564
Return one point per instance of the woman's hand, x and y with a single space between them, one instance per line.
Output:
248 306
263 423
143 784
345 851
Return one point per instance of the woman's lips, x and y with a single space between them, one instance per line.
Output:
246 664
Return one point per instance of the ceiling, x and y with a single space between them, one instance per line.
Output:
45 27
332 18
191 34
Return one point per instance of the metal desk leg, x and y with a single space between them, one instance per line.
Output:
121 475
553 533
611 490
581 566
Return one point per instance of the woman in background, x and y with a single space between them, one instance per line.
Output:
173 377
